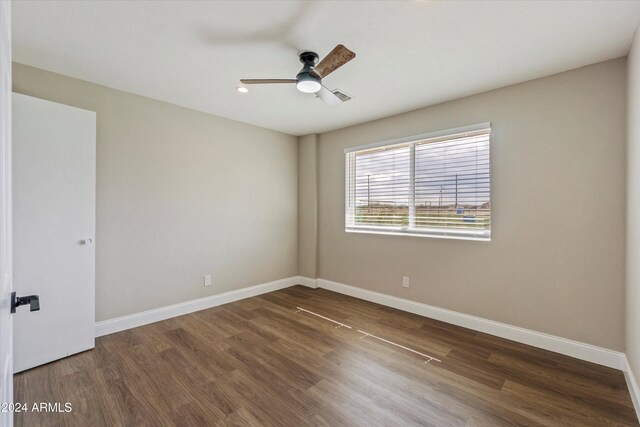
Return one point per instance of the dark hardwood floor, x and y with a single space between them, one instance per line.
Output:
261 362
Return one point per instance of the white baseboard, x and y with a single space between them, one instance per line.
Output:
588 352
632 384
560 345
138 319
308 282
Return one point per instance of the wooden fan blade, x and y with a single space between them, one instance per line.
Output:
329 97
266 81
339 56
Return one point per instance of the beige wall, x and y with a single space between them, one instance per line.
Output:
633 210
556 260
180 194
170 188
307 205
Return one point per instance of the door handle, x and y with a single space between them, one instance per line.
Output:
32 300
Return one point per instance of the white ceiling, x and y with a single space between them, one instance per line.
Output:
410 54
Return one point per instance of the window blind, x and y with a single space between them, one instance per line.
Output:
438 184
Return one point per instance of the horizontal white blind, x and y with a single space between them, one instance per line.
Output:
430 186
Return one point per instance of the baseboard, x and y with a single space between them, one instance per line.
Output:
632 384
588 352
138 319
308 282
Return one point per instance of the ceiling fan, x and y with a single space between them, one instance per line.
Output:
309 79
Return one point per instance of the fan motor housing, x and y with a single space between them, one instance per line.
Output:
305 77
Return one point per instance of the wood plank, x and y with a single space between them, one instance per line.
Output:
259 362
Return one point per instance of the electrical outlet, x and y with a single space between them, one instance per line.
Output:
405 281
207 280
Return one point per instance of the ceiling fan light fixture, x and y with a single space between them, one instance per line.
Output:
309 78
307 83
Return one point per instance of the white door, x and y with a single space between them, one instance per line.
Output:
54 181
6 340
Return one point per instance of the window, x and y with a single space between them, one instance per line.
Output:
430 185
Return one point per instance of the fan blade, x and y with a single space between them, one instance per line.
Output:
339 56
329 97
266 81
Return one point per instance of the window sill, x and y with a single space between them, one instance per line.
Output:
435 233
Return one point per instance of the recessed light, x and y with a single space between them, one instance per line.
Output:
242 89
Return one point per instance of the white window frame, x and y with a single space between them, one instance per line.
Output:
449 233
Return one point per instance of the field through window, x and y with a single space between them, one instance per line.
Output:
425 186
